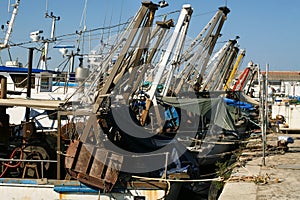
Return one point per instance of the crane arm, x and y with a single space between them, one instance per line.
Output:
235 67
185 13
117 67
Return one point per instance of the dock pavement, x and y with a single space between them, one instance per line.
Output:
277 176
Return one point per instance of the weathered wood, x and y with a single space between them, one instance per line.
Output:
113 168
92 126
147 185
84 158
32 103
74 147
93 166
94 182
99 163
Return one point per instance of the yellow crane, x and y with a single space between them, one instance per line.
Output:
235 67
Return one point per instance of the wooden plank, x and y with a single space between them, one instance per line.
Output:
32 103
98 163
71 153
92 124
146 185
113 168
84 158
95 182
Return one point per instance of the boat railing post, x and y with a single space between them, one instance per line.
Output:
65 82
58 144
42 169
264 136
263 104
166 165
3 87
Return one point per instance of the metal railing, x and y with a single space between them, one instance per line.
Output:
34 161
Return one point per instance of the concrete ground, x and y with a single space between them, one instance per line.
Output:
278 179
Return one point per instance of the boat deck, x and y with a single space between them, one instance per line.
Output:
13 188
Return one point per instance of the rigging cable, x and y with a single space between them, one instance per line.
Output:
121 12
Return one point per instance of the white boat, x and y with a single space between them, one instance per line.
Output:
45 85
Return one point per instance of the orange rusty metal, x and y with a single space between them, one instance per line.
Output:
94 166
98 164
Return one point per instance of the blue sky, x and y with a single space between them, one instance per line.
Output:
269 29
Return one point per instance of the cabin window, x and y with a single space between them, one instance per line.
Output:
20 80
46 82
139 198
278 83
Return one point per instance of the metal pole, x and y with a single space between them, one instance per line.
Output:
71 67
166 165
58 144
28 94
42 169
263 118
265 114
261 81
263 98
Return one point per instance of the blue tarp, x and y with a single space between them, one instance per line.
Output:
239 104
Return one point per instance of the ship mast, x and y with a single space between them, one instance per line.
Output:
10 25
52 36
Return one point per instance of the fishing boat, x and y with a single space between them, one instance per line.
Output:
117 145
132 133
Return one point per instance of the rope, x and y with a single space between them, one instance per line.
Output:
7 165
228 142
179 180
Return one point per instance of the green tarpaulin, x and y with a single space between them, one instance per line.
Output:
213 108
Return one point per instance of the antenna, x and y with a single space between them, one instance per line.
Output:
83 16
46 13
46 7
52 36
8 5
121 13
83 23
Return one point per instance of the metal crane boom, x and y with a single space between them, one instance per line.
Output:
175 60
247 75
181 27
147 8
198 53
186 11
235 67
160 31
216 61
225 70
